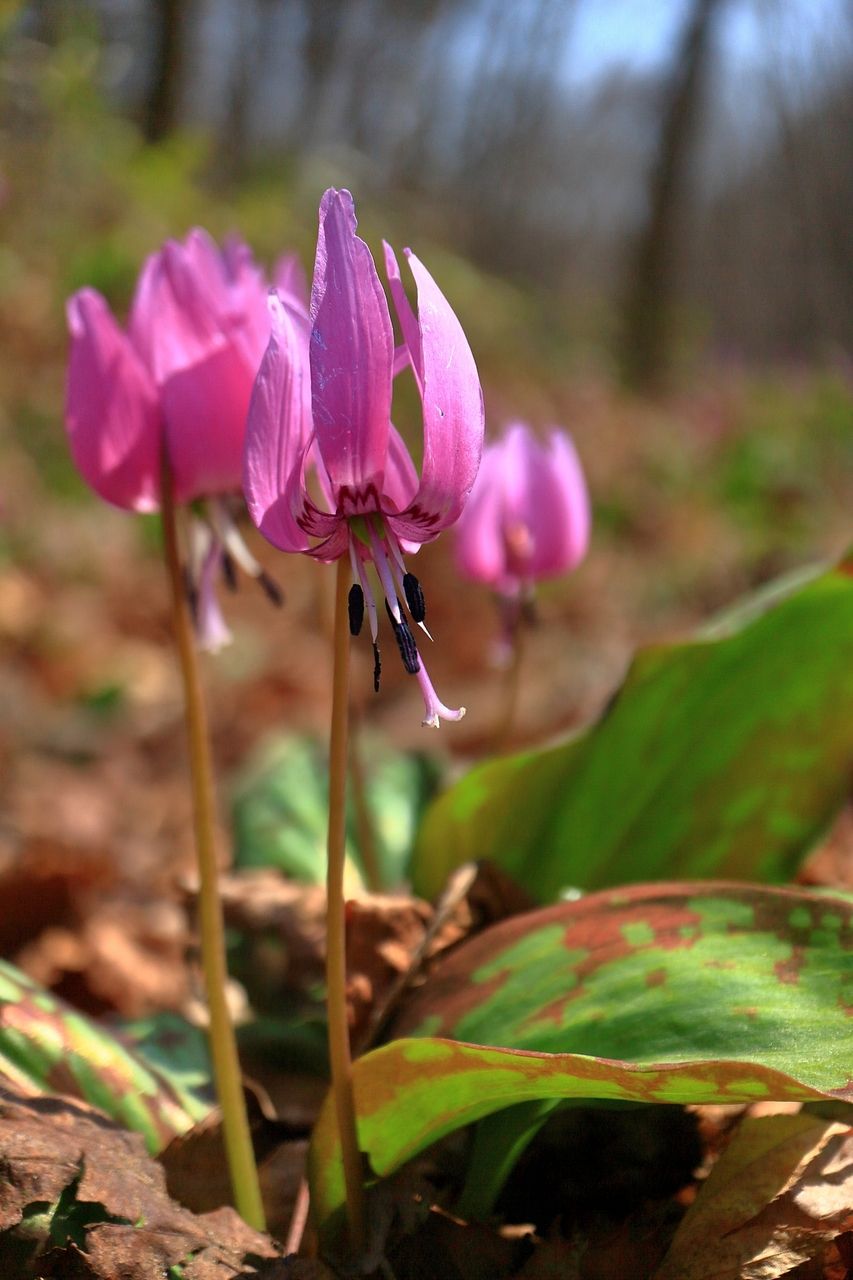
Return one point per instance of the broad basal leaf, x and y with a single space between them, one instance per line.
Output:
726 757
654 993
47 1046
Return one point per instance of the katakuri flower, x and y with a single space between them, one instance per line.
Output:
370 506
528 517
179 379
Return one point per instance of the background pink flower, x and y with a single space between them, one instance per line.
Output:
179 378
528 517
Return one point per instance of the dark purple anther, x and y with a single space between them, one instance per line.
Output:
355 607
405 641
414 597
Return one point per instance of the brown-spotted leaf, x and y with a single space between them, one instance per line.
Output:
655 993
779 1193
659 973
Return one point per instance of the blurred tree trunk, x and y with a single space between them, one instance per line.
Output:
646 320
160 113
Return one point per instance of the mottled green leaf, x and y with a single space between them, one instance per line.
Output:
48 1046
653 993
659 972
725 756
281 810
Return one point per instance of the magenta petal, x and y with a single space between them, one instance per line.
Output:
546 501
205 409
111 411
175 315
571 531
453 415
480 545
289 278
247 321
277 431
401 477
405 314
352 351
199 319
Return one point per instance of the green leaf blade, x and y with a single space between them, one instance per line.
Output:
697 993
719 757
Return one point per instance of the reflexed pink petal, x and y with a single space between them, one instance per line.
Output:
352 351
277 432
480 545
112 414
307 516
289 278
453 415
402 360
405 314
199 318
401 477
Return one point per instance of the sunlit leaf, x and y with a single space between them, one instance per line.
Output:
726 756
654 993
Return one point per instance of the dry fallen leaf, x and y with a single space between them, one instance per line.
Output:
779 1193
197 1168
79 1197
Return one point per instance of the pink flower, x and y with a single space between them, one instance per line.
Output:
528 517
373 505
181 378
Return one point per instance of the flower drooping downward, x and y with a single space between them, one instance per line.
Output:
528 518
179 379
372 506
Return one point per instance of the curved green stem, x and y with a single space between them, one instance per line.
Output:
223 1045
340 1057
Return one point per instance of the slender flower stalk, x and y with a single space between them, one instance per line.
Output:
340 1059
223 1045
